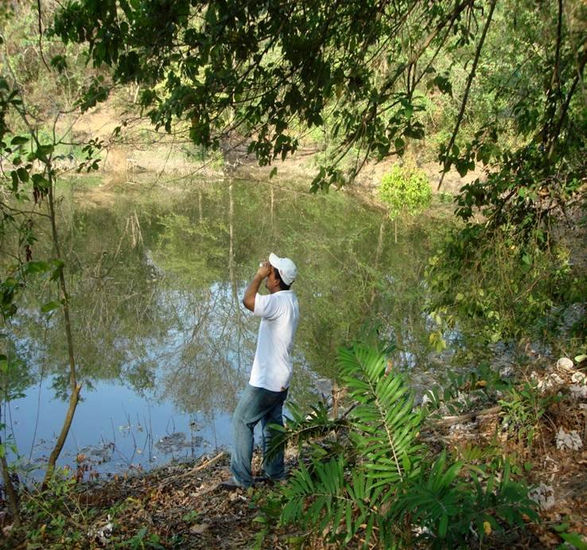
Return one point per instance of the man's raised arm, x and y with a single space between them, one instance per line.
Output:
253 288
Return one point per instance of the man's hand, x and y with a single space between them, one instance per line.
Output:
264 269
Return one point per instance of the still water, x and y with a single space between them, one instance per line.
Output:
156 275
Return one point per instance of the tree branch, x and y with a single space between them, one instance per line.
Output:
453 138
40 25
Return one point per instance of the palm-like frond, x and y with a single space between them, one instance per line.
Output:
345 494
329 499
303 425
385 426
434 499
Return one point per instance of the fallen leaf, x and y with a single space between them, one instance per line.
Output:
199 528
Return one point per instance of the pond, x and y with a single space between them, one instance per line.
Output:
156 275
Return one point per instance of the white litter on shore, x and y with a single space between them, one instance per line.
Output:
570 440
543 495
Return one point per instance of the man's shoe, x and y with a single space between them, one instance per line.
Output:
230 485
266 480
262 480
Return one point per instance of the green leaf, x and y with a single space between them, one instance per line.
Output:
59 62
443 526
40 181
50 306
575 540
19 140
23 174
33 268
43 151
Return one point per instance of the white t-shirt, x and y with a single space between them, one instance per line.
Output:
272 367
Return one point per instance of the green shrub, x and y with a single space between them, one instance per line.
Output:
521 411
405 191
497 288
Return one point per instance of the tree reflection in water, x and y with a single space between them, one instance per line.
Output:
156 280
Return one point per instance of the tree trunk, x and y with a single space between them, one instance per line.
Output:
231 244
75 387
232 275
11 495
73 401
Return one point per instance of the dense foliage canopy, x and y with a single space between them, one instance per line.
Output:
495 82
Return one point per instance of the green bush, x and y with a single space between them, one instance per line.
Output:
521 411
405 191
498 288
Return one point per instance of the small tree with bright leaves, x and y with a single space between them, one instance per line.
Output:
404 191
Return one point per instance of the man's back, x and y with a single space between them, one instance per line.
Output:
272 367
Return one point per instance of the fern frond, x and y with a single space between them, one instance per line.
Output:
331 502
435 501
385 425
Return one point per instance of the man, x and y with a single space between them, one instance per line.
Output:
266 391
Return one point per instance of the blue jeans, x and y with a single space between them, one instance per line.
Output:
256 404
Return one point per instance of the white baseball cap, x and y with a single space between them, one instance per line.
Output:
287 269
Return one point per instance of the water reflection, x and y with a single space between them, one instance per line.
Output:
162 340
